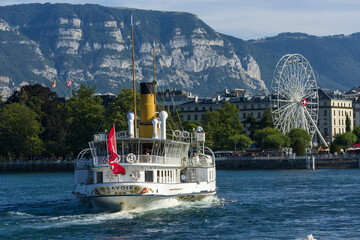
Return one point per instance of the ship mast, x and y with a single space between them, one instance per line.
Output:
154 76
133 65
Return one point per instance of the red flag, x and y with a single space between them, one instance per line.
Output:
69 83
116 167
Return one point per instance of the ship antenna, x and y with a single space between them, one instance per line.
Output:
133 65
154 76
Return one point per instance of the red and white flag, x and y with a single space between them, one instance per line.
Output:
111 144
69 83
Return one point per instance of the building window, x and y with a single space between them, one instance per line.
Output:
259 115
342 113
334 122
188 117
325 112
182 109
244 115
334 131
339 122
334 113
210 108
196 108
203 108
343 122
196 117
326 132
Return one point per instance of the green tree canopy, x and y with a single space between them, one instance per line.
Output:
345 139
271 138
19 131
266 119
299 147
45 103
240 142
84 116
356 131
299 134
117 110
348 123
220 125
252 124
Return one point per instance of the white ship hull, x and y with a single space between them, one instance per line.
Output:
130 196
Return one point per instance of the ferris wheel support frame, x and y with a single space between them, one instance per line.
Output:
316 128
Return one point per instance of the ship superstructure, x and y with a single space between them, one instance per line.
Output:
159 163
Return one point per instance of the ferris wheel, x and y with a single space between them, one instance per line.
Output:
295 100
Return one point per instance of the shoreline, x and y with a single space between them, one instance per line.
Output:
222 163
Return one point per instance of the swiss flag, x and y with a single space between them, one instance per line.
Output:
69 83
111 144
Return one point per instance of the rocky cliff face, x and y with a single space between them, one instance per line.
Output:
91 44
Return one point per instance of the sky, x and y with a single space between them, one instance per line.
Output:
251 19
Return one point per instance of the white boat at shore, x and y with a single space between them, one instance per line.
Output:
156 168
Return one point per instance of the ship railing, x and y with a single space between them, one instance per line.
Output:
141 159
81 161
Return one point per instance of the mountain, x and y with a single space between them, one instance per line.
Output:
91 44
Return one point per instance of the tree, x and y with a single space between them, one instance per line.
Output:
271 138
117 110
50 114
220 125
345 139
301 135
299 147
348 123
266 119
210 121
240 142
356 131
19 131
252 124
85 117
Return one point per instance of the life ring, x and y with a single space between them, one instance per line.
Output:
135 175
122 134
186 135
177 133
131 158
118 159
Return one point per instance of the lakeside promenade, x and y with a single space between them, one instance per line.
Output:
222 163
288 162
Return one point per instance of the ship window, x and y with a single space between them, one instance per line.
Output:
99 177
149 176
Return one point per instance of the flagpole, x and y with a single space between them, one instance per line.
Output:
133 63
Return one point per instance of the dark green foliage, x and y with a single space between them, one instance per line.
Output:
299 134
50 114
19 131
271 138
221 125
240 142
356 131
335 148
348 123
345 139
84 118
116 112
299 147
266 119
252 124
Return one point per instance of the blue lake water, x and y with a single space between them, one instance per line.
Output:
248 205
